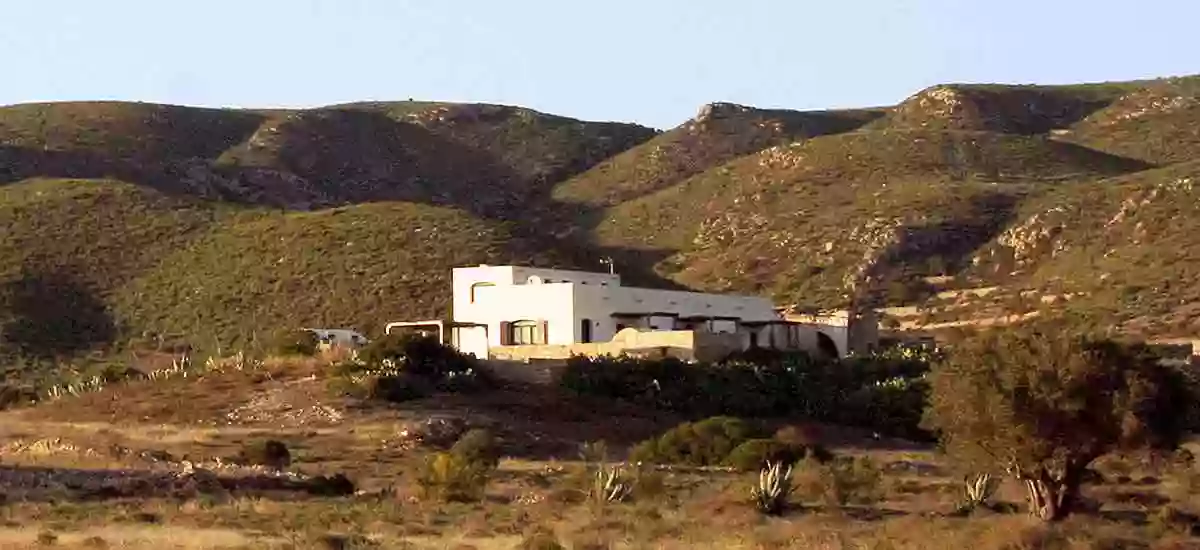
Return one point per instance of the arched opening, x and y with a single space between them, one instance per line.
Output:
826 346
524 333
476 286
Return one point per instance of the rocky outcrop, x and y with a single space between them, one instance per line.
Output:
1005 109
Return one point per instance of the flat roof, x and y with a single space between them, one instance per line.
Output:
429 322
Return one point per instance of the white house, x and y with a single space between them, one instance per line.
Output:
514 311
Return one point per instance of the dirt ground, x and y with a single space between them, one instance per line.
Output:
110 470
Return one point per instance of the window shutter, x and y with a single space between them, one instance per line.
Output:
545 336
505 333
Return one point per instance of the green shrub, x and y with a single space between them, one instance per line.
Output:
478 445
806 435
114 373
410 366
645 452
755 454
269 453
418 354
294 342
704 443
448 477
398 388
389 347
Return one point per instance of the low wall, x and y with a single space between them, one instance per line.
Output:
682 344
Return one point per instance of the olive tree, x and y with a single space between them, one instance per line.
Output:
1043 403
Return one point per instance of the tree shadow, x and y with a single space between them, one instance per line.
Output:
941 248
871 513
50 313
44 484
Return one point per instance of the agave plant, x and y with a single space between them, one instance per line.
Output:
978 490
774 488
610 486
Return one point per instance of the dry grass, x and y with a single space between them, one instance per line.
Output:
691 509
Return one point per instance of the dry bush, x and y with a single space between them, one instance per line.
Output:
478 445
649 485
347 542
292 342
449 477
270 453
540 539
1169 520
842 481
1182 487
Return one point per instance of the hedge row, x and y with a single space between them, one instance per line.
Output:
883 393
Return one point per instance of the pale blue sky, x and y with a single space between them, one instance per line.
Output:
649 61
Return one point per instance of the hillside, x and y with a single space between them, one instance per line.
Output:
1126 246
807 222
132 220
719 133
1159 123
358 266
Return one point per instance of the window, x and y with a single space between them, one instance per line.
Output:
523 333
478 285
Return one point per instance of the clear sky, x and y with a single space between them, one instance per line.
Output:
649 61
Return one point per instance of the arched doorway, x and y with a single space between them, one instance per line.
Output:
827 346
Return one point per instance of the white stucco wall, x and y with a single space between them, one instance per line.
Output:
551 303
472 340
462 280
